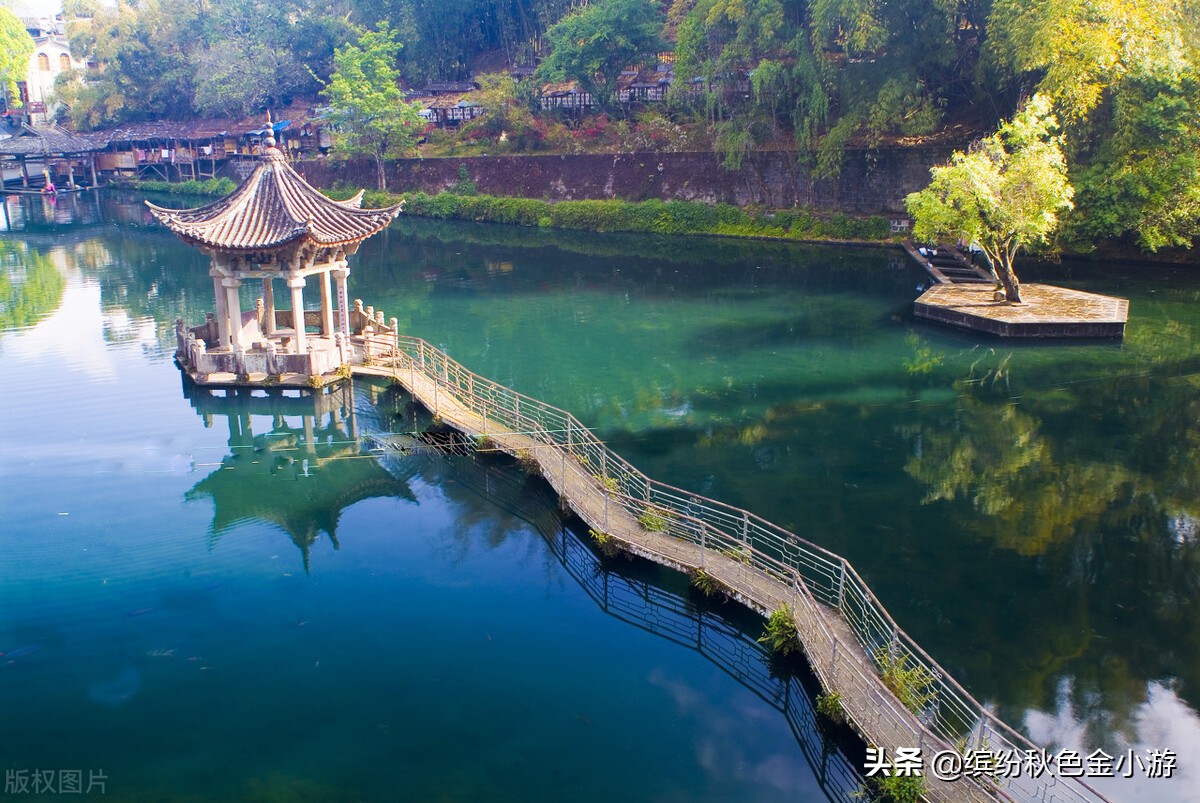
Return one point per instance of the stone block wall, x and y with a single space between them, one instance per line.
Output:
871 182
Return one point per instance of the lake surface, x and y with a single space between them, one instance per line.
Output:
189 583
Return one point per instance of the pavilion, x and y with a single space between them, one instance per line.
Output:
276 226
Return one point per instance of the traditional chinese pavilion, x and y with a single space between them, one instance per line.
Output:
275 227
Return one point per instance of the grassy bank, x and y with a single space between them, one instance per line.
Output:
657 217
212 187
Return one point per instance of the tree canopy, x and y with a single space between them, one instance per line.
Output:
366 104
592 45
1005 194
820 76
16 46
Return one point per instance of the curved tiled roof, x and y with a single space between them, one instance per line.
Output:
272 208
46 140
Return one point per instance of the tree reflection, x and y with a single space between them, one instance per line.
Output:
993 453
31 286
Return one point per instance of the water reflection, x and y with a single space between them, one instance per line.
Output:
1028 513
635 594
298 473
320 454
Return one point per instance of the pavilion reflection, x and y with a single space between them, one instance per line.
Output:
295 461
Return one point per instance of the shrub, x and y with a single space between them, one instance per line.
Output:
609 546
706 583
912 684
653 519
780 634
830 707
897 788
654 216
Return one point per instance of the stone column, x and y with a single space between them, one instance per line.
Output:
234 305
301 341
222 309
326 306
339 275
269 306
92 169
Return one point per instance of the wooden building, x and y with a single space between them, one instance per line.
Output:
34 153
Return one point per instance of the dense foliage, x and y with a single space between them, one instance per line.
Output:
659 217
16 46
814 75
593 45
365 102
1004 194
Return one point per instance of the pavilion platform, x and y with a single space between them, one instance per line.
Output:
1047 311
271 356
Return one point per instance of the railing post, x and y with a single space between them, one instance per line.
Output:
841 591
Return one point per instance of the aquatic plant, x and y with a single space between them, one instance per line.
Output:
654 519
609 547
912 684
706 583
830 707
895 788
780 634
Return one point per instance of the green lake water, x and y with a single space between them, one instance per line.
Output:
206 602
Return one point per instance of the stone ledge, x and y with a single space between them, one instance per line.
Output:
1047 311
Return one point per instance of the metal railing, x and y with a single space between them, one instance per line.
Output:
938 713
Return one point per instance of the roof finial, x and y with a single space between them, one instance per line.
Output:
270 140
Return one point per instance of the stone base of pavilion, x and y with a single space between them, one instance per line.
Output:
289 381
1046 311
277 359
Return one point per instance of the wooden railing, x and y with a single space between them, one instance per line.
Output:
940 715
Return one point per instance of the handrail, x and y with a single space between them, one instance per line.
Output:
947 711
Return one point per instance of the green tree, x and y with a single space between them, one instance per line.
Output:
1005 193
16 46
592 45
366 104
1124 77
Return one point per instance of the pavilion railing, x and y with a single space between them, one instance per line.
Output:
944 713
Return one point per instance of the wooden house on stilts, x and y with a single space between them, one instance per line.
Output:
275 226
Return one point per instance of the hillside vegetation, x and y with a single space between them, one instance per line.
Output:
813 75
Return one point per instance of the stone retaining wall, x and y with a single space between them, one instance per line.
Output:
871 182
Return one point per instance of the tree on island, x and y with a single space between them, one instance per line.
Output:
16 46
592 45
1004 194
366 104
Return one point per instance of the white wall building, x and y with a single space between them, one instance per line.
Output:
51 57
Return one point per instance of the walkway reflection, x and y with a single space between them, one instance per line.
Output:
320 455
626 592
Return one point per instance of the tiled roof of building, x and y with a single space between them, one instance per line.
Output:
37 140
272 208
298 114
